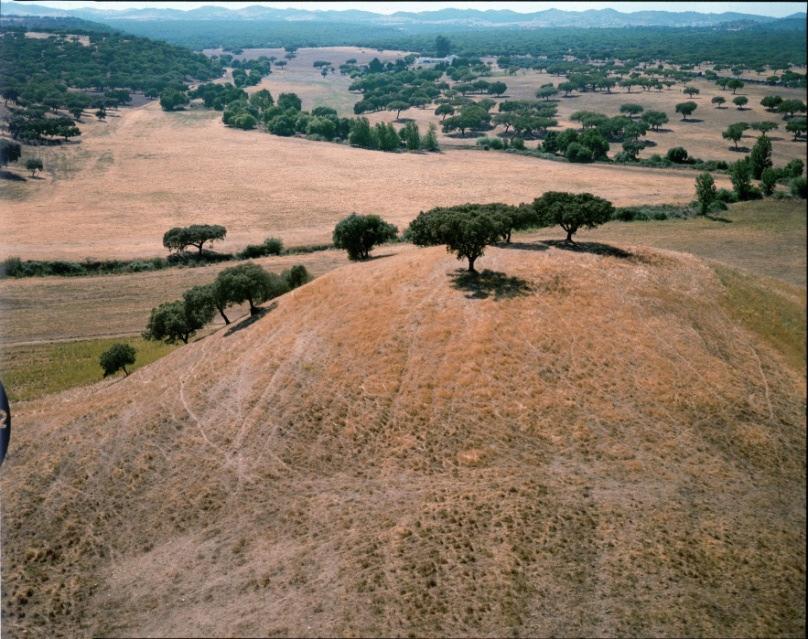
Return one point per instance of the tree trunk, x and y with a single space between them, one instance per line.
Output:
224 317
253 307
569 237
471 264
125 372
184 339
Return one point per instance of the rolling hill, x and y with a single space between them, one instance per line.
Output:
577 443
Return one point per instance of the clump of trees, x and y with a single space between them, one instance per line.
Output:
358 234
116 358
180 320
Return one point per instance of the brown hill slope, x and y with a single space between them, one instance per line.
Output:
585 445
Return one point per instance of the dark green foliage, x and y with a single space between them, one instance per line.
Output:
249 283
270 246
654 119
465 230
771 102
797 126
430 140
726 196
572 211
631 109
199 304
358 234
172 99
386 137
9 152
768 180
791 106
705 191
740 102
117 357
740 174
686 108
296 276
735 132
178 238
289 101
761 156
443 46
578 153
794 168
799 187
411 136
34 165
170 323
595 142
677 155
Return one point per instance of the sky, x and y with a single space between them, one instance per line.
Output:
775 9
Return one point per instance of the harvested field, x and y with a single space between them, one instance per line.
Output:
133 178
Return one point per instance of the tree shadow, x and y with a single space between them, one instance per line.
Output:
250 320
716 218
740 149
692 120
590 247
13 177
524 246
483 285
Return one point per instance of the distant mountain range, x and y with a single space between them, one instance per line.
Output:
593 18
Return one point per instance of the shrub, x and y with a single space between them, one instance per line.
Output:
518 144
296 276
116 358
270 246
358 234
726 196
579 153
717 206
677 154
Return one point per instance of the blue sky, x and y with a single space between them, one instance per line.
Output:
777 9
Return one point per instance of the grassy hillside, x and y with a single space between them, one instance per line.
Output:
575 444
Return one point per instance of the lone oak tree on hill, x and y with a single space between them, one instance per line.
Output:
464 232
358 234
572 211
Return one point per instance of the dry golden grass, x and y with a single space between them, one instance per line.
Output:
602 451
764 238
134 177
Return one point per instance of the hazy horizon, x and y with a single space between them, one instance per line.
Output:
773 9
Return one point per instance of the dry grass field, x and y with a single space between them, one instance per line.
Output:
765 240
132 179
576 445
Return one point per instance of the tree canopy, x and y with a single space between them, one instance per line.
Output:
572 211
